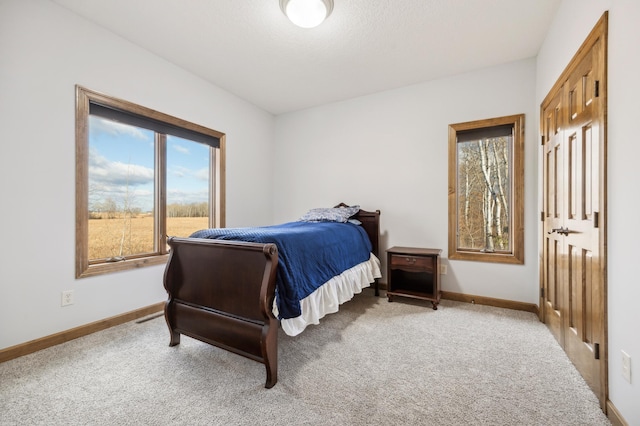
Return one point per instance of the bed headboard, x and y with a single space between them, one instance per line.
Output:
371 224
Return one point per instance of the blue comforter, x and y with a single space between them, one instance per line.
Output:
309 254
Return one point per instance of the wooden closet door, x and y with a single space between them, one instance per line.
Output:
583 307
552 291
573 287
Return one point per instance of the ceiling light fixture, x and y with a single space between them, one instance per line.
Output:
307 13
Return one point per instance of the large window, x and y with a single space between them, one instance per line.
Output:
141 176
486 190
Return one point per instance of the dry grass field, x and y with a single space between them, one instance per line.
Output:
134 235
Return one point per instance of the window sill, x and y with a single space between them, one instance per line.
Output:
488 257
110 267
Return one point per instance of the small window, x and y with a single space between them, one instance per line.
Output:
141 176
486 190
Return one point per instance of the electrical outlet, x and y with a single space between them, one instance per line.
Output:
443 269
626 366
67 298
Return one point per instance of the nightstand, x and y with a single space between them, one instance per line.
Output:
414 272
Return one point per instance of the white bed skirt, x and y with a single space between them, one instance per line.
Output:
328 297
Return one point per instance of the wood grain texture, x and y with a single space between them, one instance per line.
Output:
490 301
74 333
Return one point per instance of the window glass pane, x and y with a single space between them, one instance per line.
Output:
484 194
129 171
187 186
121 190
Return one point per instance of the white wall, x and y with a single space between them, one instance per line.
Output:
389 151
45 51
573 22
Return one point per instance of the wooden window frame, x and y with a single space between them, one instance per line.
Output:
516 255
84 99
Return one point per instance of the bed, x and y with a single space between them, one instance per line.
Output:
234 287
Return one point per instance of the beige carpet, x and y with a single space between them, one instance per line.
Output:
372 363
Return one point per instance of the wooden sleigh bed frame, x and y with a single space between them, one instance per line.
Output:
221 292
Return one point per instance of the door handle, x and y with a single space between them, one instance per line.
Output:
561 231
564 231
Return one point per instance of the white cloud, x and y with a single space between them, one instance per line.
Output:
179 171
126 184
185 172
202 174
180 148
101 125
187 197
102 170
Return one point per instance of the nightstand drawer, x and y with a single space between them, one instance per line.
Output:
423 263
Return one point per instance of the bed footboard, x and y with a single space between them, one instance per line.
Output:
221 292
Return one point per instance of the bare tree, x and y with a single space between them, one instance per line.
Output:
483 194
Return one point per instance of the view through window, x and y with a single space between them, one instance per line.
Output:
486 174
142 176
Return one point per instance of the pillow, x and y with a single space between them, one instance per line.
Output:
336 214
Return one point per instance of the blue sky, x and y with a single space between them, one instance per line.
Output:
121 162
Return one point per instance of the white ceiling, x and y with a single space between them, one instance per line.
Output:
249 47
